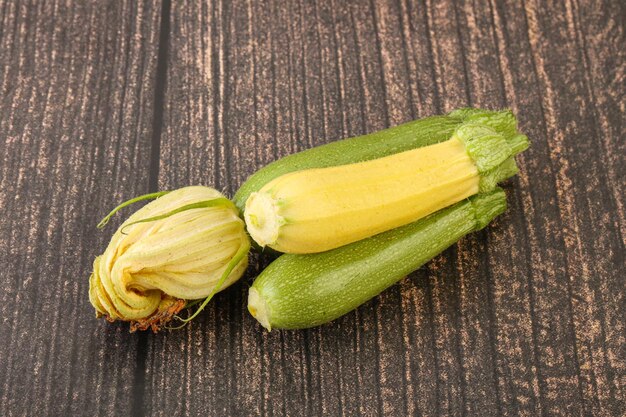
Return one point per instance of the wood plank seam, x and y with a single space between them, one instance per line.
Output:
139 383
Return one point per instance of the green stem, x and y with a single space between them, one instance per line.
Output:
216 202
127 203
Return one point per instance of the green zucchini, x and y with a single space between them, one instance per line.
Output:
411 135
300 291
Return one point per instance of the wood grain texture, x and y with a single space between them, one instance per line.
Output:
103 101
484 329
76 105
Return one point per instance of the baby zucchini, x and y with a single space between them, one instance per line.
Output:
411 135
320 209
300 291
400 138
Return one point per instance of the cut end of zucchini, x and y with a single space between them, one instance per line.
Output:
258 308
262 218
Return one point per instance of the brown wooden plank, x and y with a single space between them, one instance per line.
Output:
76 97
599 35
529 298
587 205
565 301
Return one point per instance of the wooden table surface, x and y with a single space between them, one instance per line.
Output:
101 101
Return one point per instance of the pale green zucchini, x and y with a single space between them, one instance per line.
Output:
300 291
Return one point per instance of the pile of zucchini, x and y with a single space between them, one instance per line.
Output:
357 215
351 218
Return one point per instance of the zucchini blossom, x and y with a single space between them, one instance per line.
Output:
176 251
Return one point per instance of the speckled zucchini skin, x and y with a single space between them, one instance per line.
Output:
300 291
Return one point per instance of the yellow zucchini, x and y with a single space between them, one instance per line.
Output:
319 209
